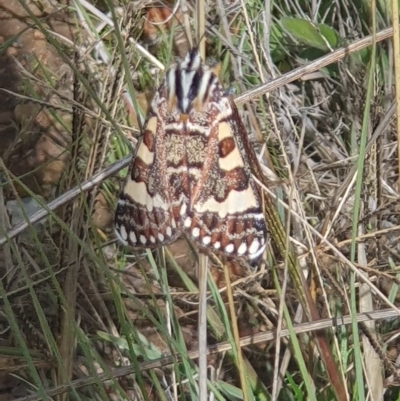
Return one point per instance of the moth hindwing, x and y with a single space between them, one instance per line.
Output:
191 172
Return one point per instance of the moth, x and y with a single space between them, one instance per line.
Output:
191 173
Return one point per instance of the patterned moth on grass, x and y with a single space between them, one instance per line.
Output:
191 173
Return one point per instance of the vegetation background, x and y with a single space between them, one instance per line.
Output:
81 318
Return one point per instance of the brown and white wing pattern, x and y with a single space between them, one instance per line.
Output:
145 212
191 172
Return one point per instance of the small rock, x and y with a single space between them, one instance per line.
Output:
38 35
12 51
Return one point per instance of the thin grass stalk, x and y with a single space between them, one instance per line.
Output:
276 381
356 210
203 259
202 327
169 315
396 56
201 27
236 336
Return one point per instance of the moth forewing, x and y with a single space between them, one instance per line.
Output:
144 216
226 215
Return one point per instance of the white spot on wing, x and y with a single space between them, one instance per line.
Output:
143 239
152 239
132 237
258 253
229 248
255 245
188 222
206 240
118 234
196 232
217 245
242 249
160 237
168 231
123 233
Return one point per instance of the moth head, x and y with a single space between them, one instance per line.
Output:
192 60
189 84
